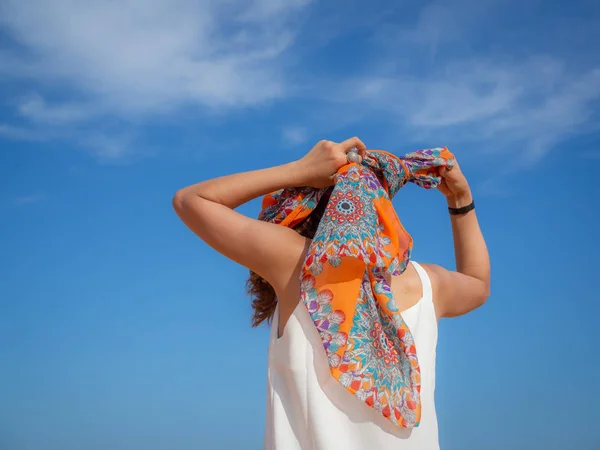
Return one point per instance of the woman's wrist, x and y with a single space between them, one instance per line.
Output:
459 200
295 174
300 173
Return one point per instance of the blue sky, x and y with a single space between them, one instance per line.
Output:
120 330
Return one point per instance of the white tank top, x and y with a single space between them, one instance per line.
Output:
307 409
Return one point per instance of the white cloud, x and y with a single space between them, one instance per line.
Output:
105 146
128 60
148 56
17 133
294 135
532 104
36 109
136 58
435 22
437 27
108 147
591 155
565 109
28 199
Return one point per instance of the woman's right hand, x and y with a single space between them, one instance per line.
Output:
318 167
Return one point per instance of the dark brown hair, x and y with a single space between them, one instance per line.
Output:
262 293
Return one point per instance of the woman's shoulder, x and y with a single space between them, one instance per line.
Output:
293 249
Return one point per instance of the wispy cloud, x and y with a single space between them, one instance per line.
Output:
96 60
19 133
110 147
36 109
434 72
294 135
107 147
28 199
144 56
591 155
436 22
528 106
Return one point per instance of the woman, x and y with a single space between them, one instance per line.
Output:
307 407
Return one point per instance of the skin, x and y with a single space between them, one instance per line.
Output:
208 209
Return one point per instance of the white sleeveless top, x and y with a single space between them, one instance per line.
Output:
307 409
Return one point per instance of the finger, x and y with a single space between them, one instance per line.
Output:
348 144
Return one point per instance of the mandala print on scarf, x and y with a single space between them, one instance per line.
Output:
370 349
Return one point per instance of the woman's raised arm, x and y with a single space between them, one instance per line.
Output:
272 251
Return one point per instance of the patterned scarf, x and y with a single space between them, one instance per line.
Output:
370 348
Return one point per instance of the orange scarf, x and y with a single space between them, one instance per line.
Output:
370 348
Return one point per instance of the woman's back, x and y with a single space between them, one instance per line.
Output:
307 409
308 406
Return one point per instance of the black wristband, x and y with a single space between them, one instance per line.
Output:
463 210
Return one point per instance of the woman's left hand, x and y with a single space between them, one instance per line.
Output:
454 187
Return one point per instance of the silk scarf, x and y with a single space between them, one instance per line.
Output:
370 349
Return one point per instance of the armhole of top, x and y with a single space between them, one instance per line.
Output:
425 281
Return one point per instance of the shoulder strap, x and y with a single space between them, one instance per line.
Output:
425 281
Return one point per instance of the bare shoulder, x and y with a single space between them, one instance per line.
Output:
432 270
454 293
286 272
436 274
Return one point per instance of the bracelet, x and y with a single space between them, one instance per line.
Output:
463 210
